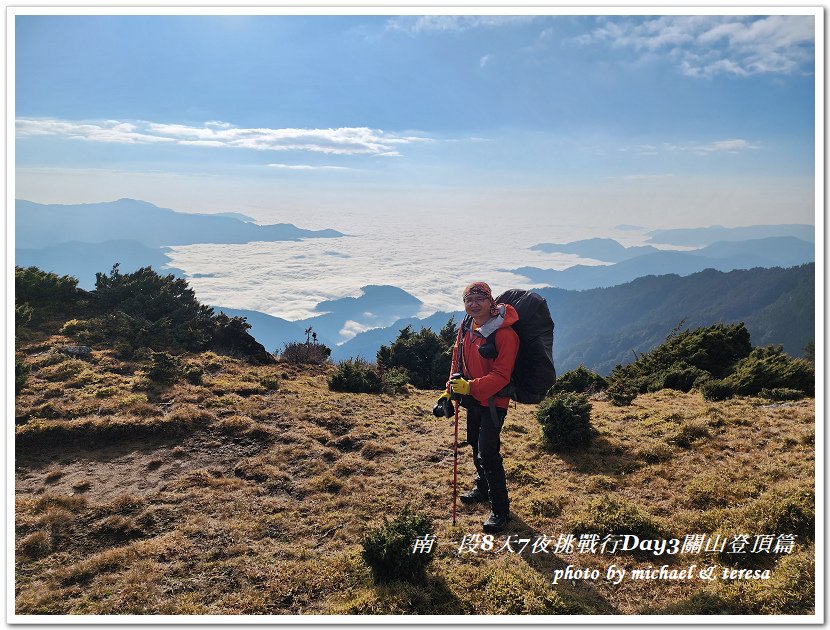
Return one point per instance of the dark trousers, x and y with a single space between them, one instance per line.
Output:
483 436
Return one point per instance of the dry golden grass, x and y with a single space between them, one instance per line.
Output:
250 494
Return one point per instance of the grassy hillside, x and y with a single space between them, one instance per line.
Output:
249 490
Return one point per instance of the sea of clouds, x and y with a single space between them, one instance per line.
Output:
430 257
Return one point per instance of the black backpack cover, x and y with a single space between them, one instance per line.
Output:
534 373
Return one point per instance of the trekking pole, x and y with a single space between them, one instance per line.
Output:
455 465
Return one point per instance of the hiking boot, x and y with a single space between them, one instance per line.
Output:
476 495
496 523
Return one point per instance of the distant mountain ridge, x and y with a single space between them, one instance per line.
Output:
38 225
376 306
695 237
603 327
780 251
605 249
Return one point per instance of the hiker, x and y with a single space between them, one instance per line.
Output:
481 368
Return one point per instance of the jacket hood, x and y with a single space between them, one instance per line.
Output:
507 317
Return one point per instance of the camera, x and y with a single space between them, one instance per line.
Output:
443 409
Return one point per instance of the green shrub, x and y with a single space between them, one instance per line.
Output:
791 589
688 433
356 376
685 356
153 310
790 509
581 380
547 505
565 420
271 383
230 335
45 290
616 515
511 593
165 368
387 550
810 352
719 488
787 509
620 392
305 352
21 374
781 393
394 380
715 390
22 315
770 368
194 374
425 356
681 376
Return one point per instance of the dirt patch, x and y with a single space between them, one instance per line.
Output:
140 467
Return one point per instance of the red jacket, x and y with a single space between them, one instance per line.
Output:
488 376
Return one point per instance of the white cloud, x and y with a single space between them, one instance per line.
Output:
719 146
340 141
351 329
309 167
733 145
485 60
705 46
454 23
648 176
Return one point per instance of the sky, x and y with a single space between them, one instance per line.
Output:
333 121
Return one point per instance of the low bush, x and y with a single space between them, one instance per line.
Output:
620 392
512 593
305 352
719 489
546 505
387 550
22 315
394 380
35 545
781 394
716 389
790 509
45 290
230 335
270 383
616 515
681 376
791 589
165 368
21 374
193 373
688 433
565 420
581 381
770 368
425 355
355 376
685 356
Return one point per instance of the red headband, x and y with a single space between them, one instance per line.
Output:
478 288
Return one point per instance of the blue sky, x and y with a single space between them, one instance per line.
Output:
659 120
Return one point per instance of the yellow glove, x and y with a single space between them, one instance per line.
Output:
460 386
443 406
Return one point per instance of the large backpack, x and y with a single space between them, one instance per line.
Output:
533 373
